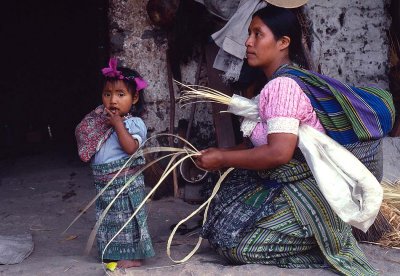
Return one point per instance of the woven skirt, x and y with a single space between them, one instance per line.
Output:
298 229
134 241
277 240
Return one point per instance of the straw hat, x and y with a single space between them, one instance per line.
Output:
287 3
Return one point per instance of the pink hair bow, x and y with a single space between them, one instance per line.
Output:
140 84
111 71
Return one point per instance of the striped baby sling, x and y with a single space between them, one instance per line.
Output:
349 114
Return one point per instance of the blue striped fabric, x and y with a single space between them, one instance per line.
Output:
348 114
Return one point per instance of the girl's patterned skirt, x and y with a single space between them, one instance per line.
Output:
134 241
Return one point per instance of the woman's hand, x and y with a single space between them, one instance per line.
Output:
211 159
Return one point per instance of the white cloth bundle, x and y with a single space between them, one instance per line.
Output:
248 109
350 188
232 37
15 248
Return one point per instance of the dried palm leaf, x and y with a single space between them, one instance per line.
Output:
391 192
197 93
390 209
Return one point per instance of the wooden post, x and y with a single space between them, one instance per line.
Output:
222 121
172 121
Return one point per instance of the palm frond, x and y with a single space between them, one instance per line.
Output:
198 93
390 209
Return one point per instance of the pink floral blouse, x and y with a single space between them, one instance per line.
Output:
283 107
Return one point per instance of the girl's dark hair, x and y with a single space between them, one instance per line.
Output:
284 22
138 108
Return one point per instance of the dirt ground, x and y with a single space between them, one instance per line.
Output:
43 191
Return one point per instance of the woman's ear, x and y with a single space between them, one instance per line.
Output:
284 42
135 97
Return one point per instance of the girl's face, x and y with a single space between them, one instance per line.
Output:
262 47
117 98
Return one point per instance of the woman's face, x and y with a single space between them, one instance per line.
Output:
262 47
117 98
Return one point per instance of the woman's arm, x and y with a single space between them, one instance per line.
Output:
278 151
240 146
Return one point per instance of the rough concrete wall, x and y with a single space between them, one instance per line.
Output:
141 46
391 155
349 39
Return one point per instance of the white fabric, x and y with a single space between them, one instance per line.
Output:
247 126
283 125
244 107
16 248
248 109
232 37
350 188
224 9
275 125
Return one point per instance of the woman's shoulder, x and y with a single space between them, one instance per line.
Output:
282 87
282 82
283 97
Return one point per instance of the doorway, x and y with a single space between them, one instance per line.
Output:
52 52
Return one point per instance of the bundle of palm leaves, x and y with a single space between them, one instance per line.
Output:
390 210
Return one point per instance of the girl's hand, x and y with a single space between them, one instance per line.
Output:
126 141
113 119
211 159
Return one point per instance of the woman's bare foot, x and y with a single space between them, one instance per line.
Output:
129 263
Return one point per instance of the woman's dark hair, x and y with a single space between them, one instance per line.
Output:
284 22
138 108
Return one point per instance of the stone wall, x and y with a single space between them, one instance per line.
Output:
391 155
141 46
349 42
349 39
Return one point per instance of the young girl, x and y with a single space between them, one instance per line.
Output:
108 136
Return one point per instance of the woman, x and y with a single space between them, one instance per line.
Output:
270 210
